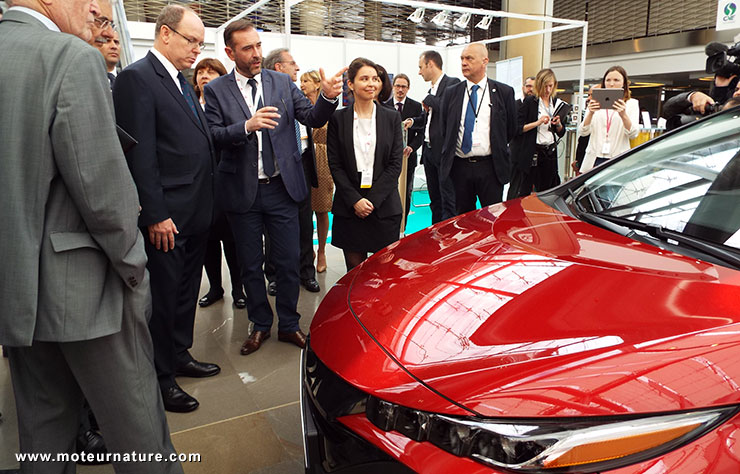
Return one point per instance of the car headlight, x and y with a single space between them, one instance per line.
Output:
585 445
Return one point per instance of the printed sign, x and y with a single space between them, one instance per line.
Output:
727 15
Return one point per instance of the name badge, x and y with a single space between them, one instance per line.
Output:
606 149
366 179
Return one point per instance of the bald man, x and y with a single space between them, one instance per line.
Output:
480 122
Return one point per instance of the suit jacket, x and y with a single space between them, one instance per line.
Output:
436 127
309 161
386 168
524 144
415 135
69 243
502 128
227 113
173 162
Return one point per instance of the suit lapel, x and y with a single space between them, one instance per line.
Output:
349 127
169 84
233 87
456 104
266 89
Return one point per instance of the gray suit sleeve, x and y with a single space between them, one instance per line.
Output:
89 158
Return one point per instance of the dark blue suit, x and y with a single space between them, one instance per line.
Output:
251 206
484 180
173 166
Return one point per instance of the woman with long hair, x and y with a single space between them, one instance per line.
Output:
610 130
321 197
365 149
535 147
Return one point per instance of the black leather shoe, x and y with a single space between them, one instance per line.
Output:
92 444
240 302
272 288
311 285
175 399
197 369
209 299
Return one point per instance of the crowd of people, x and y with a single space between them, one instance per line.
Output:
126 184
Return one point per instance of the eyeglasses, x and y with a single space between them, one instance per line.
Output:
400 86
191 41
103 22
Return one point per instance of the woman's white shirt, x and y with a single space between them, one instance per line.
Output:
616 141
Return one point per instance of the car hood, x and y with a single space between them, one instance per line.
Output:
520 310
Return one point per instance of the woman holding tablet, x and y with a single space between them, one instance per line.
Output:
365 149
534 149
610 129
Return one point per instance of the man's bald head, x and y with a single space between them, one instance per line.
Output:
71 16
474 60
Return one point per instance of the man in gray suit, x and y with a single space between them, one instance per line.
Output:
73 283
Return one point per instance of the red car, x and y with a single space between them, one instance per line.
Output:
593 328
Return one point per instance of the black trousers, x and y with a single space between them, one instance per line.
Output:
475 181
221 232
175 277
441 191
537 178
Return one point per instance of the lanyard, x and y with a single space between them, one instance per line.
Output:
470 101
608 123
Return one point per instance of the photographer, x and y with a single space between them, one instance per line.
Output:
689 106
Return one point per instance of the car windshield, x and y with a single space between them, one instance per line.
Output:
686 185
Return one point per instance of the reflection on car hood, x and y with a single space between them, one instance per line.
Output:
520 310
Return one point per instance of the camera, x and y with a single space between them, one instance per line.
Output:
718 62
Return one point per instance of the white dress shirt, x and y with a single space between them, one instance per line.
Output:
38 15
432 91
364 139
171 69
482 130
252 105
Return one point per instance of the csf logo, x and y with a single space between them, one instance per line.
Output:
729 11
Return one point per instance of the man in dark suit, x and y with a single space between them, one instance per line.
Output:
73 282
480 121
281 60
409 110
260 178
441 191
173 166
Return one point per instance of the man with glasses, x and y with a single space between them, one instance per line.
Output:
173 166
409 110
281 60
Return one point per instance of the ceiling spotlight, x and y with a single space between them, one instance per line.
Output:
417 16
485 23
440 18
463 21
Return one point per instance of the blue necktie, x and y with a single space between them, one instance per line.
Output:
298 135
268 159
467 141
186 93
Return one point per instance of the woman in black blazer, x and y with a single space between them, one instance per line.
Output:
365 149
538 133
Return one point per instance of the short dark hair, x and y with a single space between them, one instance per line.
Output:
207 63
275 56
432 56
401 76
171 16
238 25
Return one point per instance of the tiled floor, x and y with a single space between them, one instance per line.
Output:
248 420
